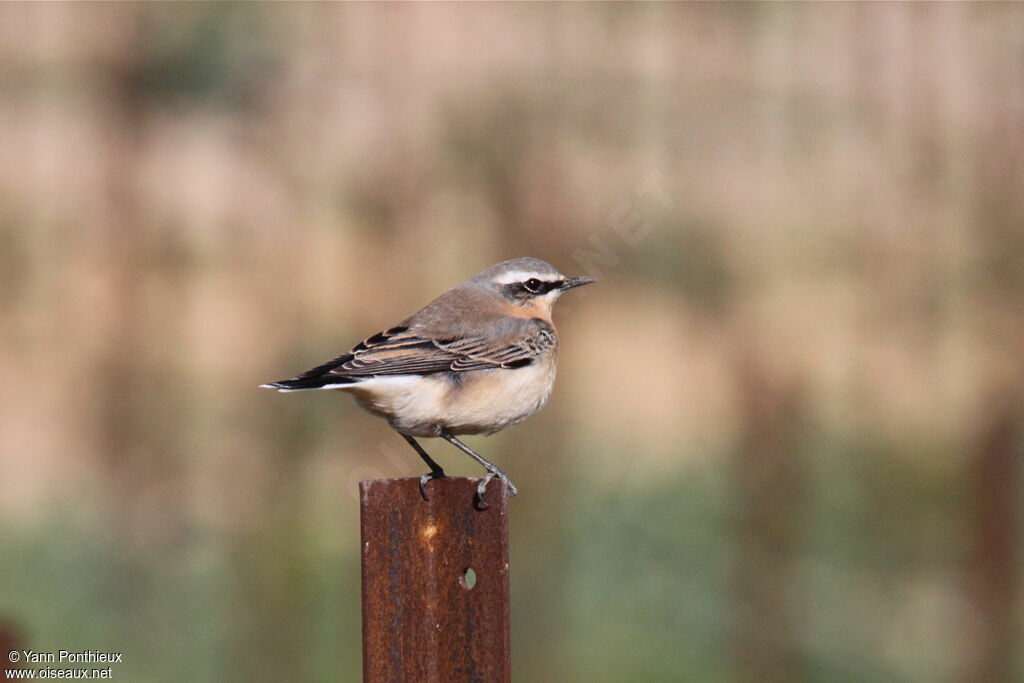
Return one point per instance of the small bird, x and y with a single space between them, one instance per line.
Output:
477 359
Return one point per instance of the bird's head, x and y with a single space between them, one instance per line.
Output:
530 284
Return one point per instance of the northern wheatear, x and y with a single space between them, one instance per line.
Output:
477 359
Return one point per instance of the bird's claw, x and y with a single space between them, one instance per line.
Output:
481 488
438 474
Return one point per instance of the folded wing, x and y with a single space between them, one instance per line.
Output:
399 351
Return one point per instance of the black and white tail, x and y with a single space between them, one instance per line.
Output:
319 377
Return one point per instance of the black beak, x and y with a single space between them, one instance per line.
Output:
570 282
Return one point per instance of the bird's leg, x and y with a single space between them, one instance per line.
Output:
492 469
435 470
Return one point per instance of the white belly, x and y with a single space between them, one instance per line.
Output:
480 402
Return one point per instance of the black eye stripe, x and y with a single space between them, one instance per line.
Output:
538 287
520 290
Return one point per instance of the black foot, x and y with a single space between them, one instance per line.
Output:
433 474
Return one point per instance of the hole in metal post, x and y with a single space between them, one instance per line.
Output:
468 579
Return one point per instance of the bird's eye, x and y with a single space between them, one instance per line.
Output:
533 285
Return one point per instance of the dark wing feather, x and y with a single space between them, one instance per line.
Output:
398 351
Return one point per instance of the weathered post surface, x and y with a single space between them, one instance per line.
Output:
424 619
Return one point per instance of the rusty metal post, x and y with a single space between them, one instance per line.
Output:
426 617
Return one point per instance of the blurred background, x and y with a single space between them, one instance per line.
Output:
785 443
